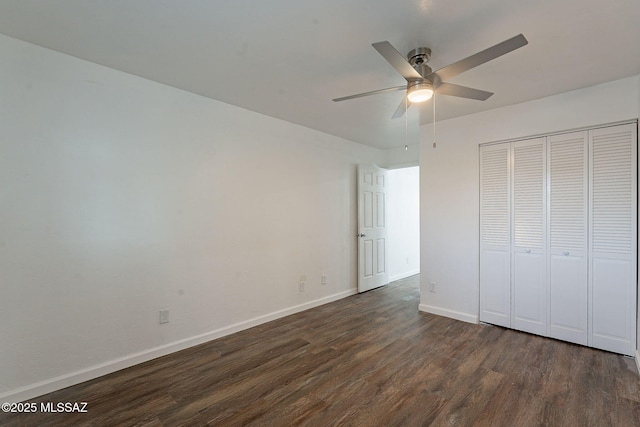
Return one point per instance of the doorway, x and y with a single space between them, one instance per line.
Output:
404 222
388 225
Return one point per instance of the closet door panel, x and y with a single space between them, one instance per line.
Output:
530 297
568 165
610 318
613 219
495 298
568 298
495 260
529 241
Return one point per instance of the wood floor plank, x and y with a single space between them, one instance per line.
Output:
368 360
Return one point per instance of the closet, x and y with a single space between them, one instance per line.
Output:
558 236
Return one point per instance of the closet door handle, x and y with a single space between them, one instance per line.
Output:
565 253
528 251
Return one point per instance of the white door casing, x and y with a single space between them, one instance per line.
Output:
372 227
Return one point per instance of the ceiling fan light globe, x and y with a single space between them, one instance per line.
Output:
419 94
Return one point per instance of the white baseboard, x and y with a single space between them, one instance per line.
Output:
465 317
638 360
47 386
404 275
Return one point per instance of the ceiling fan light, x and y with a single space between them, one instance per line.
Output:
420 93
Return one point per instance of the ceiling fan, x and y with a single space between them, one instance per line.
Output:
422 82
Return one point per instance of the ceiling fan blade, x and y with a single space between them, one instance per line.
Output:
396 60
402 108
462 91
481 57
373 92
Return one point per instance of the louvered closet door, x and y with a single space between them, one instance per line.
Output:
529 244
567 155
495 259
613 205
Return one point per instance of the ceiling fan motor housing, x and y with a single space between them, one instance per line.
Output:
419 55
419 84
418 59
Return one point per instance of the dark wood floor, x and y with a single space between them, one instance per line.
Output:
367 360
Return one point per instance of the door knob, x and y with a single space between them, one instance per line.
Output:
565 253
360 235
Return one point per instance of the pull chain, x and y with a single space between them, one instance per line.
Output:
406 131
434 120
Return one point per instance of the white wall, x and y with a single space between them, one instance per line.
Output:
399 157
404 222
121 197
449 182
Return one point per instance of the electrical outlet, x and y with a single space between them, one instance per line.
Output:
432 286
164 316
323 279
301 286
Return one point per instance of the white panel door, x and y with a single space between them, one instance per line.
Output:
567 164
612 244
372 227
529 290
495 259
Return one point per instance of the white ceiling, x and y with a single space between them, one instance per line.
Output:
289 58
